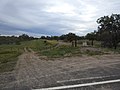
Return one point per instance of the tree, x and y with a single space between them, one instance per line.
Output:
91 36
24 37
43 37
55 38
71 37
63 37
109 30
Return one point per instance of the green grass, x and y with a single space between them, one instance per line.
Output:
91 53
61 51
38 45
67 50
9 53
50 48
115 51
8 57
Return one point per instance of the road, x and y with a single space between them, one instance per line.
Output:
35 72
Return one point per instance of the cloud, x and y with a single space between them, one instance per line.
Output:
53 17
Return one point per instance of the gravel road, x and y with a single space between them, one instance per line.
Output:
33 72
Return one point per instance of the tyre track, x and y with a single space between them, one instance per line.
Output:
32 72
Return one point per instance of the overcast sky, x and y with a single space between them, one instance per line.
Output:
53 17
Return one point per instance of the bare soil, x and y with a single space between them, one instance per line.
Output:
32 71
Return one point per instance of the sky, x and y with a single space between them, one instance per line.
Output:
53 17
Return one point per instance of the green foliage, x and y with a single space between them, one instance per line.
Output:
109 30
91 36
14 40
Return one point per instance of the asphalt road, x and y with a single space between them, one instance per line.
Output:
93 76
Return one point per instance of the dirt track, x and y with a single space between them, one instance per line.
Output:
33 72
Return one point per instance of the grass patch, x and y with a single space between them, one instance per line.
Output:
91 53
38 45
112 50
9 53
60 51
8 57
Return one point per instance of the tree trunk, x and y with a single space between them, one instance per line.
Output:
72 44
115 46
75 43
92 42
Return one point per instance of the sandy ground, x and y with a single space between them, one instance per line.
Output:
33 72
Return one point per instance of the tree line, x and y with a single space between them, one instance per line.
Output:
108 34
108 31
15 39
70 37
